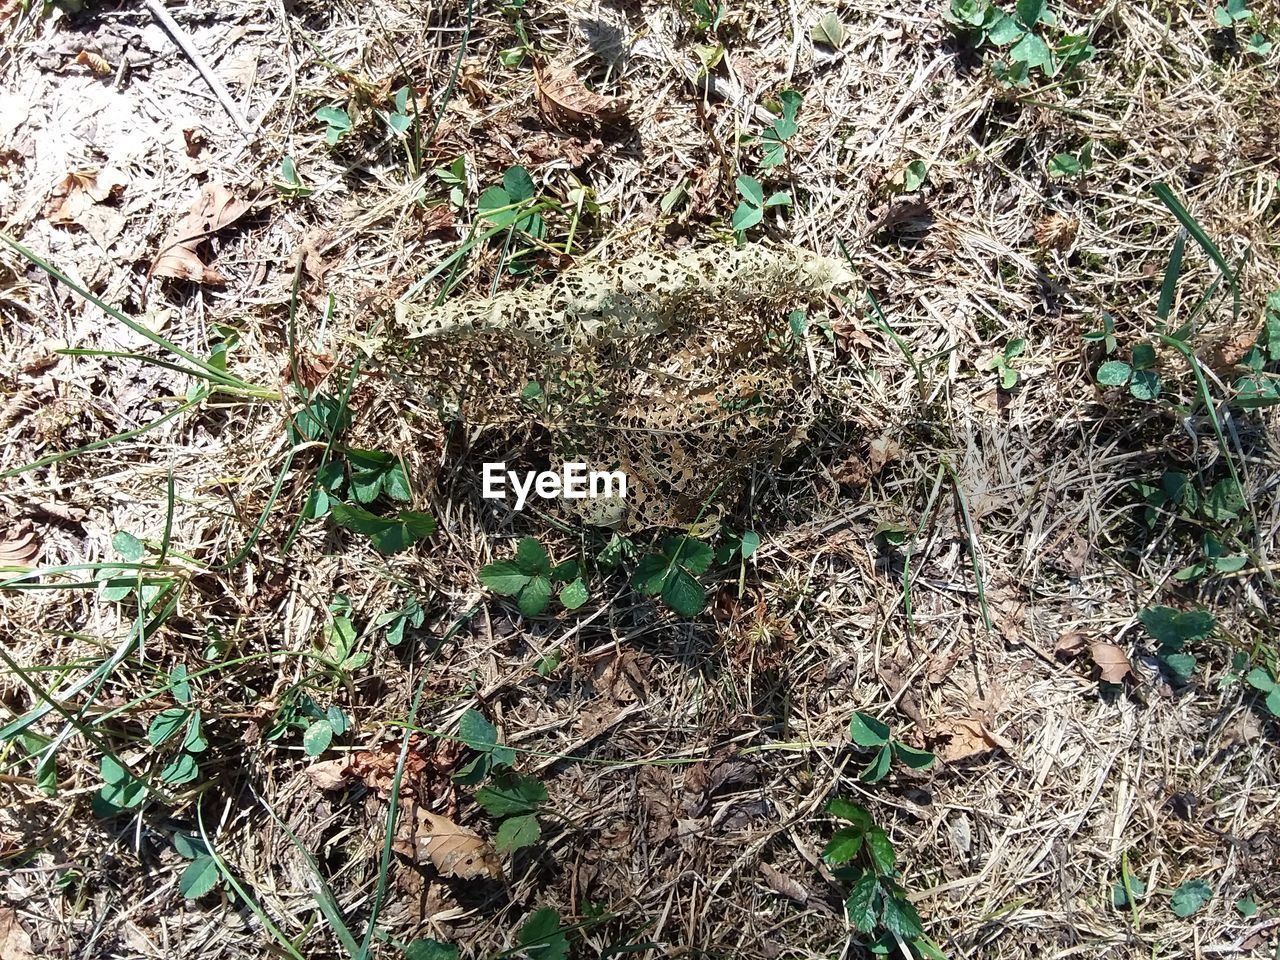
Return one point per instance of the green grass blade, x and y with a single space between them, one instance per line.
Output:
209 371
1169 289
323 895
384 861
225 872
1193 227
201 395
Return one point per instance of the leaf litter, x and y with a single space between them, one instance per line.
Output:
179 255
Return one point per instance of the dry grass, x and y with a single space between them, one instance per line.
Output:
688 762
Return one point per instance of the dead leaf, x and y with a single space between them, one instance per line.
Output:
310 368
967 737
80 190
1113 664
1228 353
329 774
439 219
213 210
194 140
882 451
654 785
621 677
94 62
18 544
565 100
941 668
455 851
779 882
15 942
428 767
1070 645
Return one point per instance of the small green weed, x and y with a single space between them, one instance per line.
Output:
542 937
514 55
1003 361
290 185
706 16
429 949
1265 682
1190 897
672 574
1106 336
750 210
200 875
777 138
1236 13
530 578
982 24
1173 630
517 800
914 175
872 734
865 859
454 177
1065 165
395 622
337 123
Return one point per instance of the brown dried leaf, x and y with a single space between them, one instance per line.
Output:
967 737
80 190
565 100
329 774
455 851
882 451
310 368
941 668
214 209
18 544
1113 664
1070 645
779 882
1229 352
439 219
15 943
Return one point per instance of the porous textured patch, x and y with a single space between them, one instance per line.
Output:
636 297
680 368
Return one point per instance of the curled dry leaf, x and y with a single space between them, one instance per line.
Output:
214 209
1070 645
565 100
80 190
329 774
1113 664
963 737
18 544
15 942
455 851
781 883
428 769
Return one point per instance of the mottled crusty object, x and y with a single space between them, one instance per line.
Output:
646 294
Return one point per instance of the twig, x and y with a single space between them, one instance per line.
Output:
179 36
